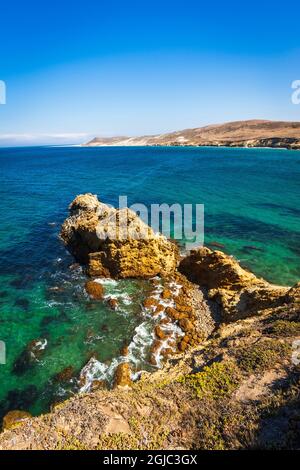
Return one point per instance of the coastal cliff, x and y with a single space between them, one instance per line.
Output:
230 380
253 133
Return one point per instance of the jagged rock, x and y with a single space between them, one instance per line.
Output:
14 419
113 303
172 313
150 302
238 292
166 294
74 266
159 332
293 295
98 385
160 308
94 289
182 345
115 242
186 324
214 269
155 346
123 376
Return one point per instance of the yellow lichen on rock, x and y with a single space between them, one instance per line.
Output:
123 376
14 418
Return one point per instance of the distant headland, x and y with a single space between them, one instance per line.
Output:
253 133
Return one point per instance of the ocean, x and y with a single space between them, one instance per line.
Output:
251 199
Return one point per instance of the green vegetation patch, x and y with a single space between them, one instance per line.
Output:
215 381
285 328
263 355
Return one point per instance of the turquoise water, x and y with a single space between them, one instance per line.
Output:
251 199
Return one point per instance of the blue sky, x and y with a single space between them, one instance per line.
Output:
79 69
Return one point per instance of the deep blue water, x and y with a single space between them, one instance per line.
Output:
251 199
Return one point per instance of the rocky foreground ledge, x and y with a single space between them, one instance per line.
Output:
233 381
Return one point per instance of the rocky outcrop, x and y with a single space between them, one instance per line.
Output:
94 290
14 418
238 292
123 376
115 242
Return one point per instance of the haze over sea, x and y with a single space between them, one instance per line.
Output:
251 199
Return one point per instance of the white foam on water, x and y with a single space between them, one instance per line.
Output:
96 370
94 338
175 287
61 391
136 375
53 303
93 370
106 282
41 344
140 344
123 296
144 336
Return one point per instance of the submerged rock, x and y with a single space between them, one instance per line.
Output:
22 303
30 356
216 245
238 292
150 302
74 267
115 242
14 419
124 349
247 248
65 375
159 332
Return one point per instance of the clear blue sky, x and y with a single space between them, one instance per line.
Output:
75 69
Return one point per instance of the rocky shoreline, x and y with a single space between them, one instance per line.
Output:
223 344
243 134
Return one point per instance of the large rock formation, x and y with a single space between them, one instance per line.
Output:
115 242
238 292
